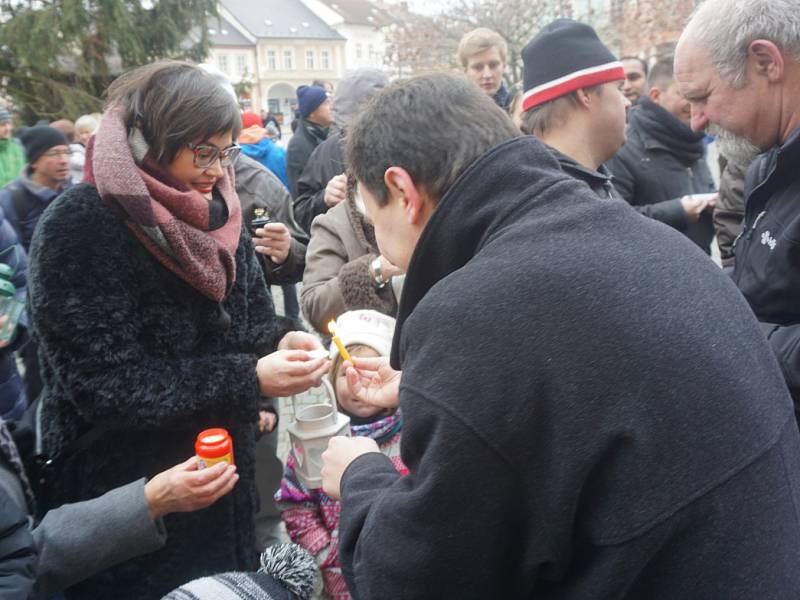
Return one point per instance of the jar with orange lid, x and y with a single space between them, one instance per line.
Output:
213 446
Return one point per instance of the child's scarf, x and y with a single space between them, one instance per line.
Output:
170 219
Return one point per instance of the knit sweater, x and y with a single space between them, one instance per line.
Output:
312 517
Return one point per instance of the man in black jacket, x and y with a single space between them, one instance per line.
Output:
756 95
663 162
579 434
574 103
322 185
312 129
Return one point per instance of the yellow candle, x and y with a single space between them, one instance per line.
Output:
342 350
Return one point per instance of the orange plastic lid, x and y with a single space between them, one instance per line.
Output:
213 443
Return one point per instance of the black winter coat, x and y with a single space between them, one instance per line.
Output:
128 346
326 162
571 428
307 137
18 555
767 253
662 161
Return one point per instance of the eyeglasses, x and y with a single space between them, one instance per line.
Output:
55 153
206 154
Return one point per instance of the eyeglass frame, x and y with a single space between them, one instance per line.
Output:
225 155
57 153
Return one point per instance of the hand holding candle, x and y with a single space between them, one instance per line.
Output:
342 350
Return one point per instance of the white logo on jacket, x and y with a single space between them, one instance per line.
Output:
768 240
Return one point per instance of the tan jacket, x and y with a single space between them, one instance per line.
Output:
338 276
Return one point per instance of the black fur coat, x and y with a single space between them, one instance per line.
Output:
128 346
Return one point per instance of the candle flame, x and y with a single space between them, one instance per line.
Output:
332 327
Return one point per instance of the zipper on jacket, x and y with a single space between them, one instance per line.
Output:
755 224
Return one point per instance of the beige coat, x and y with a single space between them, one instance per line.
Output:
338 276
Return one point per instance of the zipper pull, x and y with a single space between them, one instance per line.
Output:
755 224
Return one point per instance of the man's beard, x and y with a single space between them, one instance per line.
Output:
735 148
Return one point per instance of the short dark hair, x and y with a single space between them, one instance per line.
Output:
641 62
173 103
663 74
433 126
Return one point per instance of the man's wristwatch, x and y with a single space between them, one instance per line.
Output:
377 273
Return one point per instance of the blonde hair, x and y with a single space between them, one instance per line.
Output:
480 40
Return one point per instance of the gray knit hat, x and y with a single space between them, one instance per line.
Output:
288 572
353 92
5 116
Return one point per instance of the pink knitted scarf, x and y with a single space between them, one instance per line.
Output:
169 218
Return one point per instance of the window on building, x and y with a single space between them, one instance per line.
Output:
325 59
241 64
222 63
288 60
272 60
310 60
359 53
371 54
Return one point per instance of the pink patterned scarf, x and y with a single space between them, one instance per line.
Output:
169 218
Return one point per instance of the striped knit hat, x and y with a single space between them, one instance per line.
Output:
563 57
288 572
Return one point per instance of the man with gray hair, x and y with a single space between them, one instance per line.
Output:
741 75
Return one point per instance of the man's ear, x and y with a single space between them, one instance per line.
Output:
655 95
767 59
403 189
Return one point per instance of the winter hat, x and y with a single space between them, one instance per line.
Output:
354 91
309 97
287 572
5 116
563 57
39 139
367 328
249 118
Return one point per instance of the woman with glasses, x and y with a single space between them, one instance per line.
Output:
155 323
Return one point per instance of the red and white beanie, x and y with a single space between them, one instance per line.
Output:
563 57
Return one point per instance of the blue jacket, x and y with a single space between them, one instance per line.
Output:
34 200
269 154
12 393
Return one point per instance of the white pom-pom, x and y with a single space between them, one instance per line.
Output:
292 566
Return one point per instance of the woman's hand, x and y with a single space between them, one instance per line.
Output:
288 372
274 241
335 460
374 382
184 488
267 421
300 340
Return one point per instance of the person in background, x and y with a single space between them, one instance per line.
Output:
483 54
663 162
85 127
257 143
13 398
323 183
316 117
154 322
635 84
66 127
12 155
312 517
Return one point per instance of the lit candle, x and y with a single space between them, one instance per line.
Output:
342 350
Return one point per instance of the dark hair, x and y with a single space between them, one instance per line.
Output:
641 61
433 126
174 103
663 74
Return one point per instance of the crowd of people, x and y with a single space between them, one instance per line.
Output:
551 389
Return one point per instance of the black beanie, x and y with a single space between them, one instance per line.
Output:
39 139
563 57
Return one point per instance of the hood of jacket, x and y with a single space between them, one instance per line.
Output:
660 129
